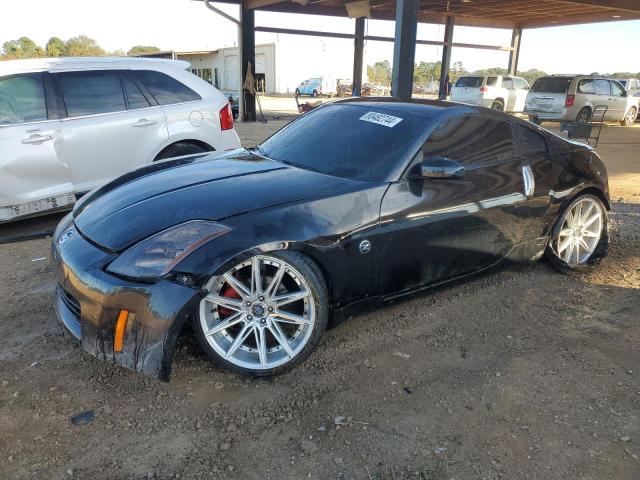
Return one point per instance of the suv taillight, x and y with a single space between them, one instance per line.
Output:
226 117
568 102
483 89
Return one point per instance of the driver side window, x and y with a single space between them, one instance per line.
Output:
22 99
471 140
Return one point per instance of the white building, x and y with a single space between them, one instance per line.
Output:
221 67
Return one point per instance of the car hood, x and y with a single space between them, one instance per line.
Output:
151 199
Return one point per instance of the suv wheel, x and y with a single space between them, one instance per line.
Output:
534 120
629 118
315 93
498 105
179 149
584 115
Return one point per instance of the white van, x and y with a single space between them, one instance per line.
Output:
68 125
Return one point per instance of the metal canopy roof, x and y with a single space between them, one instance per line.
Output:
479 13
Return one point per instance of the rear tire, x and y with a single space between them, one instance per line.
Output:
534 120
315 94
558 248
584 115
179 149
498 105
297 92
629 118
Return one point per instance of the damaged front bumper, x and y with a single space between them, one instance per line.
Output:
89 301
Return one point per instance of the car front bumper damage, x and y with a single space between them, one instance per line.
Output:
90 302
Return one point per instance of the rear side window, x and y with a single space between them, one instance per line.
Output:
586 86
91 93
507 83
617 90
521 83
165 89
135 97
492 81
602 87
470 82
471 139
528 141
551 85
22 99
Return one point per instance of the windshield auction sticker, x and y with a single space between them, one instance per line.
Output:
381 119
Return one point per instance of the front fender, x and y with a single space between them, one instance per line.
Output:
327 230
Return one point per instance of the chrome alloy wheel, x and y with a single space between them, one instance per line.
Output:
580 232
258 315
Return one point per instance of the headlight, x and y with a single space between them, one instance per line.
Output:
157 255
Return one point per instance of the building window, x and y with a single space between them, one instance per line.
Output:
204 73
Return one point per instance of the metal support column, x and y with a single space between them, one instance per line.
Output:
404 48
514 54
358 56
248 55
446 58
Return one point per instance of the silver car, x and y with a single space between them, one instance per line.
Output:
571 98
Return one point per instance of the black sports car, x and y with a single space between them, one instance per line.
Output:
358 202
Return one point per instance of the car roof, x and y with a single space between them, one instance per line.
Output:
419 106
9 67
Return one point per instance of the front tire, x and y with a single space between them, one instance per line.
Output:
580 237
264 314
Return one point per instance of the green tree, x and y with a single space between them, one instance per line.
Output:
142 49
532 75
24 47
56 47
83 46
380 72
425 72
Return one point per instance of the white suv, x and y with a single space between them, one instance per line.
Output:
68 125
504 93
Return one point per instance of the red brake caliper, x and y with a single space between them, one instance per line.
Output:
228 292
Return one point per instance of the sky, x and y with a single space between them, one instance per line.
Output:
184 25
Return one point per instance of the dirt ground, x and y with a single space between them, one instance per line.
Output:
517 374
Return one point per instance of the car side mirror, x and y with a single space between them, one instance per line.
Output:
441 167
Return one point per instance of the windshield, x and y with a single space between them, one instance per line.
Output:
360 142
551 85
473 82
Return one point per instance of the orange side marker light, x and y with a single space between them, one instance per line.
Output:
121 324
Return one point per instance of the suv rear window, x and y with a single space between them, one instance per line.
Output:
471 82
551 85
165 89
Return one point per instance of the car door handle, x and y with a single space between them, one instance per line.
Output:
143 122
529 181
36 138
